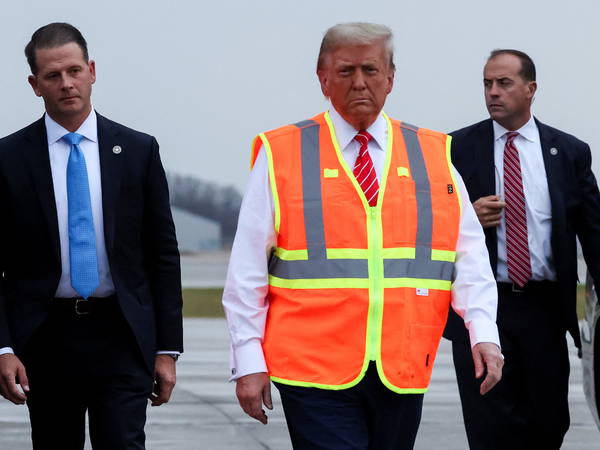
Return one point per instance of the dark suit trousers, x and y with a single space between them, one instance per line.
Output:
366 416
528 408
86 363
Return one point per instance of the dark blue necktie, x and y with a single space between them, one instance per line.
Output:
82 238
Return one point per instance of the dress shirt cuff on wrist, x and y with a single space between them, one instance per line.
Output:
482 330
247 359
5 350
168 352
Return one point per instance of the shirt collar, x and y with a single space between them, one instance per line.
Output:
528 131
345 132
88 129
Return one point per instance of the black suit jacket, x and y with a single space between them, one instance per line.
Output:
575 206
138 227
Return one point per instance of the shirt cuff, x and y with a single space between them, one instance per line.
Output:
168 352
5 350
482 330
247 359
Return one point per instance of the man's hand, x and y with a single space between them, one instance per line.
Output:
252 391
12 372
487 357
164 379
489 210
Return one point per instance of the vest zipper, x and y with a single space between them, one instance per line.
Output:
376 294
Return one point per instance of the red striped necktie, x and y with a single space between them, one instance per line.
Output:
517 245
364 171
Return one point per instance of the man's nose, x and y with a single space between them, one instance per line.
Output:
359 80
493 89
66 82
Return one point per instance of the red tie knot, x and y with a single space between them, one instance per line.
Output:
363 137
510 136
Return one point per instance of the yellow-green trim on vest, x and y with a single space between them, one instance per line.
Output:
391 387
331 387
399 253
451 169
319 283
291 255
339 387
443 255
272 182
342 161
357 283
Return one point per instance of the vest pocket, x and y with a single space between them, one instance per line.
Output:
444 204
423 344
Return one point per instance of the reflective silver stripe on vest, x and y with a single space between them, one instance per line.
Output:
422 266
311 190
317 265
423 192
418 268
328 268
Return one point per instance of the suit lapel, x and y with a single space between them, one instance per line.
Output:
487 173
552 162
110 175
38 160
487 182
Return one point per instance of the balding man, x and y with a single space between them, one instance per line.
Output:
351 246
534 192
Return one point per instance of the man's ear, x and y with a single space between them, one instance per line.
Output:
32 79
324 80
390 79
532 87
92 66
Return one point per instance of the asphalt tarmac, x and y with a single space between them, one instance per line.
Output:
203 413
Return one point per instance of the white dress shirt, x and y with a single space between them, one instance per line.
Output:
537 200
474 295
59 151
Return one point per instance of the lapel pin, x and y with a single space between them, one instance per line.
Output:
117 149
554 151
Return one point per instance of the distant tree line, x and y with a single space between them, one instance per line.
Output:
206 199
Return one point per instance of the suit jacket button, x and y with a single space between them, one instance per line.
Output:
117 149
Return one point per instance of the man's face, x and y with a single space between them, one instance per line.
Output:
357 80
64 80
508 96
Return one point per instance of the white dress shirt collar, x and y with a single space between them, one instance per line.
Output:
88 129
345 132
528 131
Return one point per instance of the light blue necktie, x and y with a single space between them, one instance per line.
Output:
82 238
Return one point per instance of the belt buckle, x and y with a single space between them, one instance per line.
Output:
517 289
77 310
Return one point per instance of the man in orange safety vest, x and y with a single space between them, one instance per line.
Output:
355 237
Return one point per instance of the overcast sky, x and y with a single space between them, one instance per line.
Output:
204 77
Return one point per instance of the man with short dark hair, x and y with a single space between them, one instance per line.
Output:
534 192
350 248
90 293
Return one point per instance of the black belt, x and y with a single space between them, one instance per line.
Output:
81 306
530 286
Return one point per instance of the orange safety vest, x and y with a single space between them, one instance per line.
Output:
350 283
